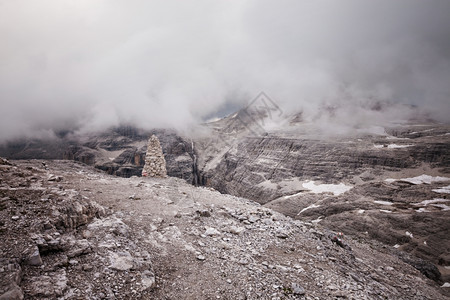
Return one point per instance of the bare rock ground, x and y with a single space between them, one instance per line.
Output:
69 231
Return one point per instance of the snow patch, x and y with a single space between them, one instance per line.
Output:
425 179
386 211
441 206
422 209
306 208
392 146
409 234
293 195
383 202
444 190
336 189
436 200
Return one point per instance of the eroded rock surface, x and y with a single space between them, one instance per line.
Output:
354 183
57 243
171 240
117 151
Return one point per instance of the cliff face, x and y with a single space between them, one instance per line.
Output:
344 182
253 167
119 151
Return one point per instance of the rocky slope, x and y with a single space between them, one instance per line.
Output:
118 151
70 232
345 182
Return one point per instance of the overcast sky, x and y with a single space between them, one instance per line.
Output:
97 63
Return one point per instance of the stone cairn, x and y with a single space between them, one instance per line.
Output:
155 164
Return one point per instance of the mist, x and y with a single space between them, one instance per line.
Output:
88 65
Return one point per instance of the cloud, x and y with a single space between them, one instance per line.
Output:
93 64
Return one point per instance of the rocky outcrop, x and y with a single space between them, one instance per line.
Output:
118 151
166 239
57 243
155 164
279 167
251 165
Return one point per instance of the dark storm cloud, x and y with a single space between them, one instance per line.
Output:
92 64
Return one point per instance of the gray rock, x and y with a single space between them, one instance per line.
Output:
121 262
210 231
297 289
148 280
33 257
14 293
52 285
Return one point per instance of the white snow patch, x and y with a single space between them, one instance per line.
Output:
436 200
383 202
392 146
425 179
441 206
317 220
445 285
409 234
306 208
293 195
336 189
396 246
390 180
395 146
422 209
361 211
386 211
444 190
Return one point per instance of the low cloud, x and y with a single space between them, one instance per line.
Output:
88 65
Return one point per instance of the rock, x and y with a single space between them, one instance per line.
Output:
210 231
297 289
50 286
203 213
14 293
236 230
52 177
147 280
282 234
121 262
80 247
33 257
201 257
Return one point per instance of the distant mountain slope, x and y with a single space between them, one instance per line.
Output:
118 151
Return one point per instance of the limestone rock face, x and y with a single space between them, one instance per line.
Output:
155 164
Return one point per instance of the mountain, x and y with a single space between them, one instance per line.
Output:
380 184
70 231
118 151
365 184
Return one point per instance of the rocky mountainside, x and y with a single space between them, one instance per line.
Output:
385 183
118 151
70 231
356 183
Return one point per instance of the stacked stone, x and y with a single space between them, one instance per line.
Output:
155 164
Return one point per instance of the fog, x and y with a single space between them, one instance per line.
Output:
89 64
